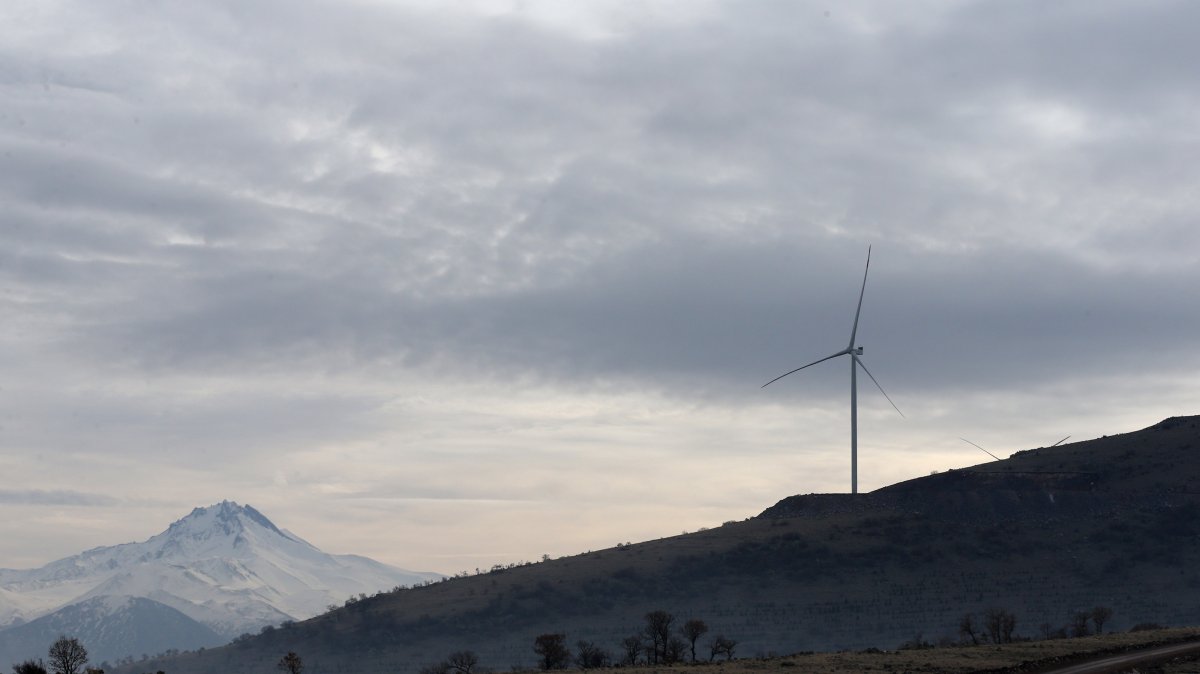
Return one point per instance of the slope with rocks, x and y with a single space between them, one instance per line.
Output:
1043 534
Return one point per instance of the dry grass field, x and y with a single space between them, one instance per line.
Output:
1031 656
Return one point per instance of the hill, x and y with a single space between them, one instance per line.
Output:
1043 534
111 628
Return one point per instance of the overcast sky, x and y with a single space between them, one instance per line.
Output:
456 283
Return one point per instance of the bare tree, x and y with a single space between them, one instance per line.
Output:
290 663
463 661
1079 624
632 647
1000 625
674 651
590 656
966 628
693 630
1100 615
721 646
658 631
30 667
1007 624
67 656
552 651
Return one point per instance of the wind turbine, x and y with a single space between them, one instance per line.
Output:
981 448
855 362
998 458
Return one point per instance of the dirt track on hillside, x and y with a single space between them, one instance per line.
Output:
1122 662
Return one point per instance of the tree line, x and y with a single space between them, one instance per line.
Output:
656 643
997 626
661 640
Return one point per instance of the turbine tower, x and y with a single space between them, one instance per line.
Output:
855 362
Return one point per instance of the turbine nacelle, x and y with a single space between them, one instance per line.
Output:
857 352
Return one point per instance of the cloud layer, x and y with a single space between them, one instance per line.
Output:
391 266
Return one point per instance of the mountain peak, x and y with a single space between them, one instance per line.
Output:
221 520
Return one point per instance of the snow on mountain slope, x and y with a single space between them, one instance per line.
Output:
226 566
12 607
110 628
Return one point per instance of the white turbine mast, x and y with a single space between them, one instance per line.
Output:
855 362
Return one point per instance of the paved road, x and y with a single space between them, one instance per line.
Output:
1119 663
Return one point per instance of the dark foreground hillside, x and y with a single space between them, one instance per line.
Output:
1024 657
1044 534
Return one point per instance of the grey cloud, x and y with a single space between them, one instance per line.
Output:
101 413
1115 53
711 318
385 193
54 498
531 186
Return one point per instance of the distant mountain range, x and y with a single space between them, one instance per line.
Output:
219 572
1044 534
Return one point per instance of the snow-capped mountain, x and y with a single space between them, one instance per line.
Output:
225 566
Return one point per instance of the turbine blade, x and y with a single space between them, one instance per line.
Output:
988 453
839 353
1060 442
854 330
885 395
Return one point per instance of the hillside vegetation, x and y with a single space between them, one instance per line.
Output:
1028 656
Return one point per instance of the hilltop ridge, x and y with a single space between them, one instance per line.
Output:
1157 462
